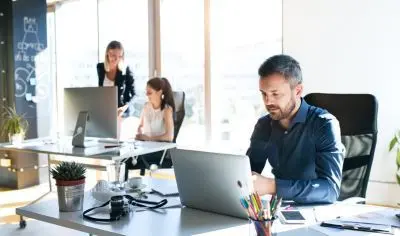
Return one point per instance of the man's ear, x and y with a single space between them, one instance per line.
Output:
299 90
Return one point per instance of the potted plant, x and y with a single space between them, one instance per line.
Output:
70 182
395 142
15 125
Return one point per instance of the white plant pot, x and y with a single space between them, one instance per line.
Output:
16 138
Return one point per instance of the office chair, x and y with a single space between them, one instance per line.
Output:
179 98
179 115
357 115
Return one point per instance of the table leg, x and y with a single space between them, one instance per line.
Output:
22 222
49 168
162 157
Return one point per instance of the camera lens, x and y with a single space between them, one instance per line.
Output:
117 200
118 207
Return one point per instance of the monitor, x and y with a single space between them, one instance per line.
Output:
90 112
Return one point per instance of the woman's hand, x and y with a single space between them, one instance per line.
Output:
121 110
139 130
143 137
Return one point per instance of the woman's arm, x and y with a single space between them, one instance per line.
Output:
129 86
100 73
139 129
168 136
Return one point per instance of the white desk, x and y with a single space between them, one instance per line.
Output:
64 147
185 221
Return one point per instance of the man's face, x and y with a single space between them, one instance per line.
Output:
279 98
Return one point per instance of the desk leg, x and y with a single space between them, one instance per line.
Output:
22 222
162 157
49 168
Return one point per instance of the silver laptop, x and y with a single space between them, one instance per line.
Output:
208 181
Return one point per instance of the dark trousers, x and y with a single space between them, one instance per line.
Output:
144 162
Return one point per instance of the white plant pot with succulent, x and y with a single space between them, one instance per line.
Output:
14 125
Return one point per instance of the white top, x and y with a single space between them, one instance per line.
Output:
107 82
153 120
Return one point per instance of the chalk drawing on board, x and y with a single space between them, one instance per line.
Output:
30 28
25 74
23 78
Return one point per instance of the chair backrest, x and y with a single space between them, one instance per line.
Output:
357 115
179 98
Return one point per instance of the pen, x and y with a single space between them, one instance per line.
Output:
111 146
288 207
277 206
260 204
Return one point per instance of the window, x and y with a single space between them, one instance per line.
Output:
76 48
243 35
127 21
77 45
182 61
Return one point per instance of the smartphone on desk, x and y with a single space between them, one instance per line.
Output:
291 217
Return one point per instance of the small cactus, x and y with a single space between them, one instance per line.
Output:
68 171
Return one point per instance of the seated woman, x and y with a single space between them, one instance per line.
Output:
156 123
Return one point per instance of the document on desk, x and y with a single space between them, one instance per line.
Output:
382 219
164 187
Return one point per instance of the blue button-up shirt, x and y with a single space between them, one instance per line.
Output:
306 159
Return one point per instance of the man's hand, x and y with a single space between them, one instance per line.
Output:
143 137
263 185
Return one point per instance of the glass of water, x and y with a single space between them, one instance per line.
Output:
116 175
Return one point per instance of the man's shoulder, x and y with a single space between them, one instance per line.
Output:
319 115
263 122
266 119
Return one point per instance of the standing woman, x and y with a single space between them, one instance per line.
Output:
113 72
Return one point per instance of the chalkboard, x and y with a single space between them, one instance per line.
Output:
31 63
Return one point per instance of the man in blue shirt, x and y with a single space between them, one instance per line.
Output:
301 142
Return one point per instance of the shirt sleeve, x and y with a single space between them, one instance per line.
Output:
129 92
256 151
329 162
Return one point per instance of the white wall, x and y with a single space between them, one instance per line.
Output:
352 46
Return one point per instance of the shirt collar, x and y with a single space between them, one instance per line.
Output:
301 114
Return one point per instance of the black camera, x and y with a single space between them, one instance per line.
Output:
119 207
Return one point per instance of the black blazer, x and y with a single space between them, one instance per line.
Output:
125 84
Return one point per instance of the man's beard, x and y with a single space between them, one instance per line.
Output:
279 114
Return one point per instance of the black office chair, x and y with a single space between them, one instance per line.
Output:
179 99
179 115
357 115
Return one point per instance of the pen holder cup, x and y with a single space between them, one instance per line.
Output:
262 227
